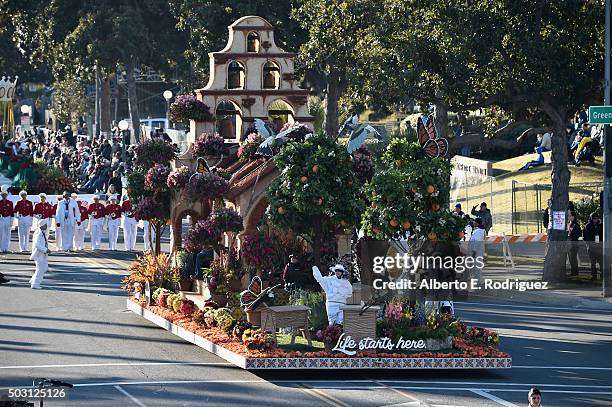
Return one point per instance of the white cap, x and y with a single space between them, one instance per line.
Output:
96 197
22 193
337 267
73 195
42 195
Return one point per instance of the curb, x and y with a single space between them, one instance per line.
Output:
548 297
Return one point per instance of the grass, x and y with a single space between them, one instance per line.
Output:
301 344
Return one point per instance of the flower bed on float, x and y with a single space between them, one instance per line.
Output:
217 331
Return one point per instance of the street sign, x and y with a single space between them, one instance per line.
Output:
600 114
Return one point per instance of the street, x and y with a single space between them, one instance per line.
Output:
77 329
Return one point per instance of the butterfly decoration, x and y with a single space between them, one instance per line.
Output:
271 139
202 166
432 146
254 295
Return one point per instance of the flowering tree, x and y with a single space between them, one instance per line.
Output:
155 151
317 191
178 178
205 186
208 232
208 144
411 194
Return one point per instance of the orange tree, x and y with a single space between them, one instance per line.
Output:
317 191
410 193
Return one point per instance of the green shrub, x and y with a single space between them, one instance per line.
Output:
317 317
585 207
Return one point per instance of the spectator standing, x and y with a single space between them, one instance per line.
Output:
592 235
485 215
457 211
293 275
574 233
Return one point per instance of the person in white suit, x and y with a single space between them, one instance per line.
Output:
66 217
337 290
58 229
81 225
476 248
129 225
40 254
6 220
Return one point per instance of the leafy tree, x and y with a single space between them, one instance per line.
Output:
69 101
316 192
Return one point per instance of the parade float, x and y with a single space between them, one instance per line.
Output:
276 188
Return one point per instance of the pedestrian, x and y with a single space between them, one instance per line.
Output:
534 397
457 211
485 215
43 210
546 215
337 290
112 211
96 212
6 220
293 275
574 233
130 225
58 230
66 217
81 225
476 249
40 254
23 210
592 235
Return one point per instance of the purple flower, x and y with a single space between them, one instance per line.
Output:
203 233
148 208
179 177
227 220
157 177
205 186
188 107
208 144
153 152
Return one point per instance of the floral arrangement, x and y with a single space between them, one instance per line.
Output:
363 164
162 299
148 267
227 220
482 336
208 144
393 311
178 178
55 185
256 339
158 291
248 147
224 319
400 319
240 327
154 151
329 334
156 177
205 186
148 208
202 234
257 251
188 307
188 107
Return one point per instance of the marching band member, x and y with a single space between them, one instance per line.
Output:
6 220
66 217
96 212
130 225
24 209
58 229
44 210
40 254
113 216
337 290
81 225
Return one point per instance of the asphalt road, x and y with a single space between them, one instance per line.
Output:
78 330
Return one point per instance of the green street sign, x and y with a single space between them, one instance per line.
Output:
600 114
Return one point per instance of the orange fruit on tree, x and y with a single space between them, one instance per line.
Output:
435 206
373 205
430 189
406 225
393 222
461 234
413 189
303 179
280 210
398 163
315 168
432 236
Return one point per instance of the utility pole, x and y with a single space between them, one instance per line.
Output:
607 214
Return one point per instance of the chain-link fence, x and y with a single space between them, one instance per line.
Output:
516 207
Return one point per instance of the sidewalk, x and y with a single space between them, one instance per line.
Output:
577 293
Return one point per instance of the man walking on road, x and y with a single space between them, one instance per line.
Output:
40 254
81 225
6 220
66 217
96 211
24 209
130 225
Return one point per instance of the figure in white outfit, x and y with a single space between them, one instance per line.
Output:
58 229
129 225
40 254
81 225
337 290
96 222
476 248
24 210
66 217
113 218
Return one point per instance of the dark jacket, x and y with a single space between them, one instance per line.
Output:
574 232
293 274
487 219
591 230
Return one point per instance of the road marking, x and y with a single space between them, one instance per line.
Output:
531 307
134 399
493 398
404 394
562 367
119 364
488 383
319 394
104 268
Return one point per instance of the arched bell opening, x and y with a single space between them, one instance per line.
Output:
253 42
271 75
280 112
236 75
228 120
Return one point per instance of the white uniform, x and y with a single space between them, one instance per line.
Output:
95 228
24 224
146 235
113 232
67 215
40 249
337 291
79 234
130 228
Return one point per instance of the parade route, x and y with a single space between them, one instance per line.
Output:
77 330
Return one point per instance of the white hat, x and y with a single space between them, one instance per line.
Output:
96 197
73 195
42 195
338 267
43 222
22 192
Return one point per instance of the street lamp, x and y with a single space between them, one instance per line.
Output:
123 126
167 95
25 109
